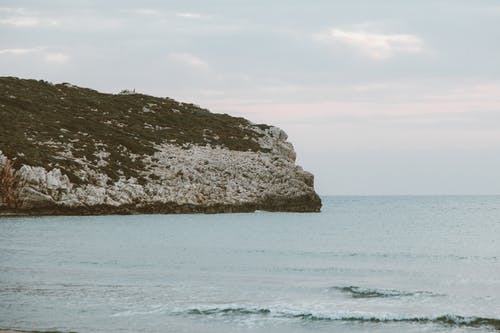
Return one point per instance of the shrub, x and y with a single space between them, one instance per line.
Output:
9 183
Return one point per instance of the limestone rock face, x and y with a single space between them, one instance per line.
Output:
232 165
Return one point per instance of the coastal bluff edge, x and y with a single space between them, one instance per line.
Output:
67 150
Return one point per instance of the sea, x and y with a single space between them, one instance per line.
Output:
364 264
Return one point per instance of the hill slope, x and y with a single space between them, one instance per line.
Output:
66 149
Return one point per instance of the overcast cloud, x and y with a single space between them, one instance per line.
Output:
378 97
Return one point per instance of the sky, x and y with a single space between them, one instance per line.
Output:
378 97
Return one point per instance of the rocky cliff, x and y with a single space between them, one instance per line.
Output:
71 150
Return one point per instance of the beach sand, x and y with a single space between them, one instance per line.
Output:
15 331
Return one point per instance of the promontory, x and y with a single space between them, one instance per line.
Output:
71 150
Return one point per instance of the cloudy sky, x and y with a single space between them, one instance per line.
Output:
378 97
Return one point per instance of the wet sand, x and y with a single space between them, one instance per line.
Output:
15 331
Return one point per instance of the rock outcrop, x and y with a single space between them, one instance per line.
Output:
70 150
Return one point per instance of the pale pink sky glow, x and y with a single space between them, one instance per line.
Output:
303 111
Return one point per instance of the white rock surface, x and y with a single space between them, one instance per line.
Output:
198 175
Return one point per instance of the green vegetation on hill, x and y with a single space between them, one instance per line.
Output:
42 124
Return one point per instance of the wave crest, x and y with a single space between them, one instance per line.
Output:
446 319
360 292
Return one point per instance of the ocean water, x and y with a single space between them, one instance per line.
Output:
365 264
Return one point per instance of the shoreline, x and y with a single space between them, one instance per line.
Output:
18 331
301 204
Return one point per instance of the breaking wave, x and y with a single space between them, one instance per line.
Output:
446 319
360 292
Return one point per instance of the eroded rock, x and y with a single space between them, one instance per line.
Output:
185 160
